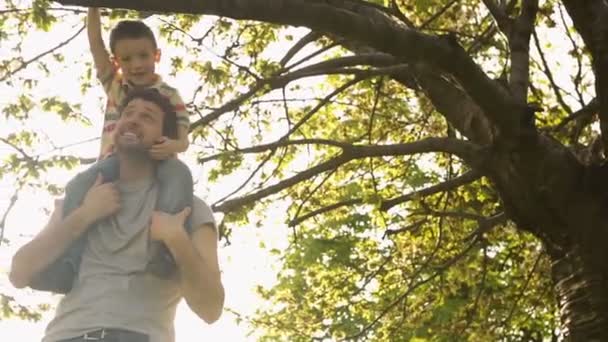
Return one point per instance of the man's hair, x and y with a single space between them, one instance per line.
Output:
130 29
152 95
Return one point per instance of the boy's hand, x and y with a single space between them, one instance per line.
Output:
165 227
164 148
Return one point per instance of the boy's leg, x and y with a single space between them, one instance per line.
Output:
175 192
58 277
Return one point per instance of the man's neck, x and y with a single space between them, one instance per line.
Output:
134 168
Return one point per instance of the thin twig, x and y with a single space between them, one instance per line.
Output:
549 74
438 14
35 58
523 289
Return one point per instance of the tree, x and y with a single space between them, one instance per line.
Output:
453 181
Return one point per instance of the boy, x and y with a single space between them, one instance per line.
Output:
131 66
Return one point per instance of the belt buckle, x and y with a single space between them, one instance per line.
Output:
86 336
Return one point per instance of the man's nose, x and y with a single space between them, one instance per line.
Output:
131 120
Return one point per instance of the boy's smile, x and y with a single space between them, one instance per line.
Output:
136 58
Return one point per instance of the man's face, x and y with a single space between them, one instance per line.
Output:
139 127
136 58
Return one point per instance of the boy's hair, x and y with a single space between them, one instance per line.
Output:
130 29
152 95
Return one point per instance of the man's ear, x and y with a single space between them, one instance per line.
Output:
157 56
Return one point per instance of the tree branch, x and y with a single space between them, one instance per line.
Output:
519 42
556 89
409 228
463 149
23 65
11 204
308 196
522 291
400 15
308 38
583 17
336 66
439 13
456 106
587 111
50 9
299 219
275 145
451 184
578 78
385 205
21 151
331 164
448 98
486 224
500 15
590 19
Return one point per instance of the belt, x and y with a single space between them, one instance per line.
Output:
110 335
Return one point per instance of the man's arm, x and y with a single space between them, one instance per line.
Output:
199 270
101 201
197 261
47 246
101 57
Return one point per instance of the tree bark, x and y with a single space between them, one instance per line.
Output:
582 293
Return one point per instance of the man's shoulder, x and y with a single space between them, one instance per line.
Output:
201 213
199 202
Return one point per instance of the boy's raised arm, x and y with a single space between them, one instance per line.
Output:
101 57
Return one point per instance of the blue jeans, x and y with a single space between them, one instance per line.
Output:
174 194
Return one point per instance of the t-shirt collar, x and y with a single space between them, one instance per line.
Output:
126 86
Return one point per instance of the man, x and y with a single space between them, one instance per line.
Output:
114 297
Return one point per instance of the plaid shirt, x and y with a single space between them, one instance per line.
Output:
116 88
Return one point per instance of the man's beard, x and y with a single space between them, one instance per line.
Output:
136 152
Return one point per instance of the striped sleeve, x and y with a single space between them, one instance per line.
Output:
106 77
183 117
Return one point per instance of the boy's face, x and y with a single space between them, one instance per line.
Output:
136 58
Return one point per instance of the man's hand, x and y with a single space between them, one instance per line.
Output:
102 200
165 227
164 148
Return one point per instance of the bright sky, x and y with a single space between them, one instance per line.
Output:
244 263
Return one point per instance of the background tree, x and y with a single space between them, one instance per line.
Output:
444 173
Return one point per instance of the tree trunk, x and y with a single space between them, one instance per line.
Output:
582 294
549 193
